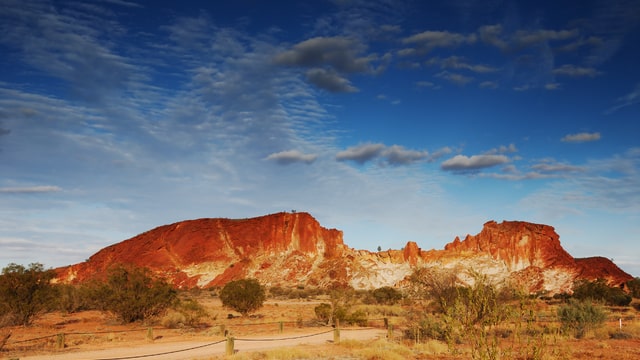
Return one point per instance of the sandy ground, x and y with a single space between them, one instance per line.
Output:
202 350
93 335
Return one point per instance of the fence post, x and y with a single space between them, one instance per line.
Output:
336 332
281 327
60 341
150 334
229 347
390 332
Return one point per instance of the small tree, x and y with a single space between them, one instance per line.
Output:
244 296
132 294
25 292
580 317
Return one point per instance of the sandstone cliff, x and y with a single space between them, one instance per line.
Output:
293 249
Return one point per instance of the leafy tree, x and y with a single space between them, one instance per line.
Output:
387 295
133 294
580 316
25 292
244 296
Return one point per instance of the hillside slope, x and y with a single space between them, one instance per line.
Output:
294 249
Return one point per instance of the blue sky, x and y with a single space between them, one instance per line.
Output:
393 121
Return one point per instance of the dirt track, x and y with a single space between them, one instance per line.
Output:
203 350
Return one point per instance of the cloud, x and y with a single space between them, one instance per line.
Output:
428 40
51 40
29 189
630 99
488 85
339 53
493 35
361 153
554 167
427 84
458 79
398 155
576 71
460 63
292 156
329 80
502 149
581 137
462 163
391 155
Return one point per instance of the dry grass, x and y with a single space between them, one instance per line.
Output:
601 343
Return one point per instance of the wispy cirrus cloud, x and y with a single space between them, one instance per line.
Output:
576 71
630 99
581 137
30 189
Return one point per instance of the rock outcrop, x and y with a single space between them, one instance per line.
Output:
293 249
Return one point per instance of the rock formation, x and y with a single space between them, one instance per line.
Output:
293 249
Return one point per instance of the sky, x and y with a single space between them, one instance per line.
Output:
393 121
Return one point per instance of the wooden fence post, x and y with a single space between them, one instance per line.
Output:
336 332
230 344
60 341
150 334
281 327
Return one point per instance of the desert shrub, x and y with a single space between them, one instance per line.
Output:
25 292
186 313
73 298
244 296
357 317
580 317
620 335
438 285
387 295
173 320
323 312
598 290
427 327
634 287
133 295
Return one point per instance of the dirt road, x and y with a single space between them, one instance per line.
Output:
203 350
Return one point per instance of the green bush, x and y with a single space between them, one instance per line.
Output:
133 295
244 296
387 295
580 317
25 293
599 290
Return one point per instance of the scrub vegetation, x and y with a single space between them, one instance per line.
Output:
434 316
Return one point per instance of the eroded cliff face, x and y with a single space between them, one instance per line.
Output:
288 249
211 252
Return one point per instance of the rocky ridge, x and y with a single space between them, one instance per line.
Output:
294 249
